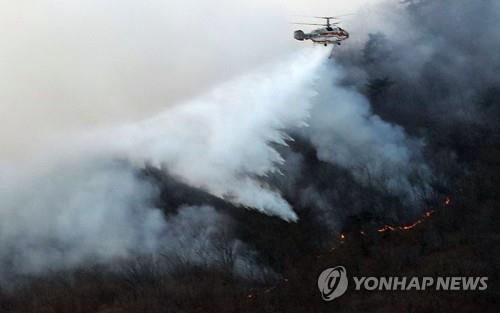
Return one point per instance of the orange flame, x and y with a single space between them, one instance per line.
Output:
425 216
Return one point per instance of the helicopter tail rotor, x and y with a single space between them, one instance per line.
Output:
299 35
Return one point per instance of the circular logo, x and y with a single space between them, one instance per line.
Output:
332 283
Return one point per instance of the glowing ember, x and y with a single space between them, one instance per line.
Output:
386 228
447 201
342 237
425 216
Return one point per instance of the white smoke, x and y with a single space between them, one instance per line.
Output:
67 214
78 202
101 63
201 236
346 132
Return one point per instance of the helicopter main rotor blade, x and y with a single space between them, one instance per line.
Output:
309 24
325 17
316 24
322 17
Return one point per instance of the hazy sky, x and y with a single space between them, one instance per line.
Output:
327 7
70 65
219 81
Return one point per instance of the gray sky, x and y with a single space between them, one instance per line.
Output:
71 65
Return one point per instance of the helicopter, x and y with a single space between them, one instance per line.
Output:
329 34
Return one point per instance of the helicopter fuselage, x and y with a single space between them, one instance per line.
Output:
325 36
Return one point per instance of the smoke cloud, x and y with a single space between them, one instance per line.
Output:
90 210
79 202
438 57
346 132
115 97
76 79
